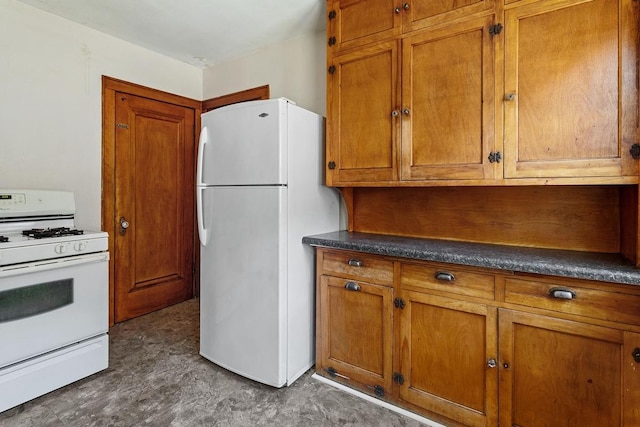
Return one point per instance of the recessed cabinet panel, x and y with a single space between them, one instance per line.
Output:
448 93
358 22
356 331
554 369
362 95
444 359
564 96
423 13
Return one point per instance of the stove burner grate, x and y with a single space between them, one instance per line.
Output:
40 233
4 239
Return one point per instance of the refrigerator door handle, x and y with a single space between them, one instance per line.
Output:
204 139
202 232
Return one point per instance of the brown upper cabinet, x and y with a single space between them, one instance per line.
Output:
476 92
570 89
354 23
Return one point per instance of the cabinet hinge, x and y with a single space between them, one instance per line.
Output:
398 378
378 390
495 29
332 14
332 41
399 303
331 69
331 165
495 157
635 151
333 373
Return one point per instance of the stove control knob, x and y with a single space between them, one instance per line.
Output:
80 246
61 248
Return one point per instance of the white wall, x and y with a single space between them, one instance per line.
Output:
51 100
294 69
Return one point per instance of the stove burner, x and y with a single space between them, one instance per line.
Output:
4 239
40 233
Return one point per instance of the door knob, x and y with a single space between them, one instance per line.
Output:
124 224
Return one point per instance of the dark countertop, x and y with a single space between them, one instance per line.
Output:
581 265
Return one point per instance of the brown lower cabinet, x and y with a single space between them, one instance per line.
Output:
475 347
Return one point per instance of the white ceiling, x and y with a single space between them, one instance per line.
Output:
198 32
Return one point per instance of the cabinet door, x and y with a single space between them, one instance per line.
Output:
361 129
448 352
355 333
448 103
558 372
417 14
571 95
357 22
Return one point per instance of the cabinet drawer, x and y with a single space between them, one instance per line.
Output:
446 279
570 298
358 266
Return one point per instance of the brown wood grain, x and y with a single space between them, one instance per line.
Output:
555 369
444 359
448 128
578 218
361 131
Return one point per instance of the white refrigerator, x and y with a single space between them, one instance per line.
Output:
260 189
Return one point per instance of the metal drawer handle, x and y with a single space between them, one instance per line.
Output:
352 286
445 276
355 263
562 293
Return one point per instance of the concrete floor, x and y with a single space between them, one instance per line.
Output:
157 378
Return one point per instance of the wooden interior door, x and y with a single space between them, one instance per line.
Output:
154 191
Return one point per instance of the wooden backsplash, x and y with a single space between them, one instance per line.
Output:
584 218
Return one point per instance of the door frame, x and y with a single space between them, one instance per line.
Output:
253 94
112 85
108 216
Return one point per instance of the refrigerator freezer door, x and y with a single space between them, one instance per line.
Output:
244 281
244 144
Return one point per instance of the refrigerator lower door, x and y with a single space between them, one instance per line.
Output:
243 284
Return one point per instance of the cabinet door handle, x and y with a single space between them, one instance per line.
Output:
491 363
562 293
352 286
355 262
445 276
395 113
397 10
406 111
406 6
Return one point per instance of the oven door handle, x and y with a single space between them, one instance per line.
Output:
52 264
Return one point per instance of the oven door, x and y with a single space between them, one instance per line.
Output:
51 304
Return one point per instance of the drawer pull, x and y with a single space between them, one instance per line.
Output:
355 262
562 293
352 286
444 276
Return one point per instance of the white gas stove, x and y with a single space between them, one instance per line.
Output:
53 295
